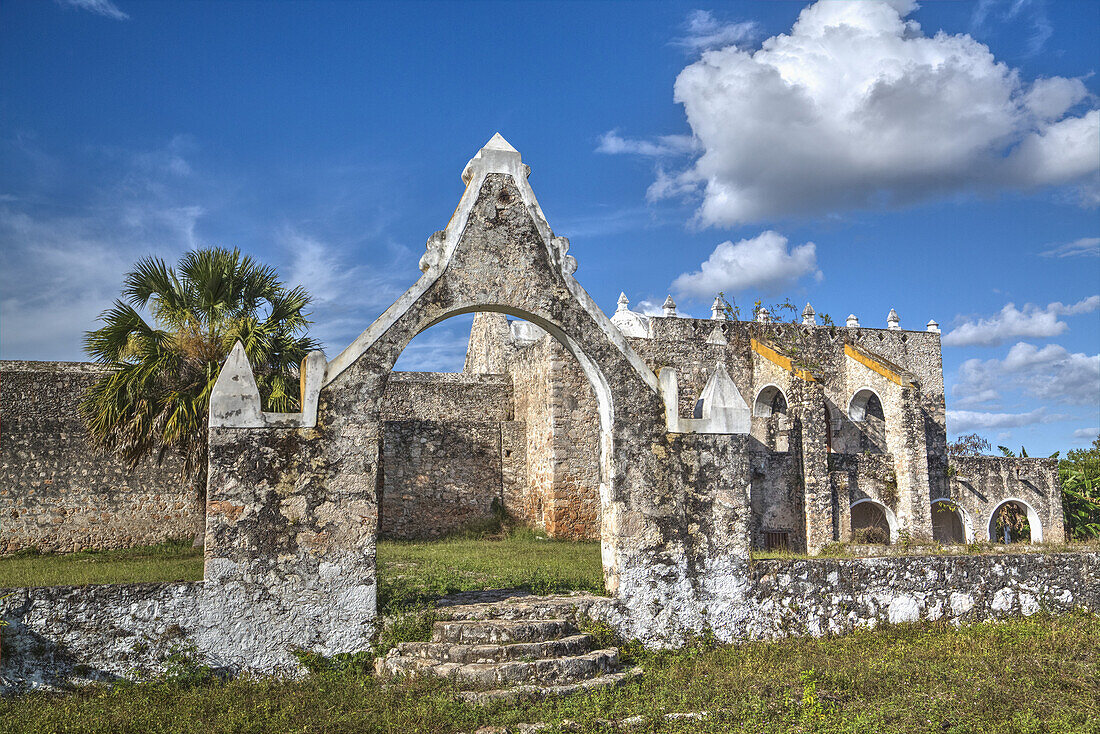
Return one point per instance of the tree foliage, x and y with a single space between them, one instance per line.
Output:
1080 475
969 444
156 394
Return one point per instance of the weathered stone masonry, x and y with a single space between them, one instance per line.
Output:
57 492
64 634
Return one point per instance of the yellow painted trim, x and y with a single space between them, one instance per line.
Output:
778 359
873 365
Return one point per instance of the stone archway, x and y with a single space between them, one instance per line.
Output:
293 506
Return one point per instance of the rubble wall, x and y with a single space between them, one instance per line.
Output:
65 634
57 492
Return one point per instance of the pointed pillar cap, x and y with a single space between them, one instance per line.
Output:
623 303
670 306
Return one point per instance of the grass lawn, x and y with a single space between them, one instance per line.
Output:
174 560
411 573
1029 675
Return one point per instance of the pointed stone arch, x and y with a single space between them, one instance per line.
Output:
293 511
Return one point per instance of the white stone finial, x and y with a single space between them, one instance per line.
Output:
809 316
235 399
762 315
670 306
933 326
718 309
624 303
853 322
893 323
497 142
496 156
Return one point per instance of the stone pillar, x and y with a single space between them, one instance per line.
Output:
809 429
906 440
289 552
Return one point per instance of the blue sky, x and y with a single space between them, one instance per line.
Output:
940 159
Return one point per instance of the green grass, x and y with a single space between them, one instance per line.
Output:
1017 677
174 560
412 574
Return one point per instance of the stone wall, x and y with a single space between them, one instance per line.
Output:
823 596
978 485
57 492
443 444
438 477
64 635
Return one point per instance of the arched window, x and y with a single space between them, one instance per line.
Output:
865 409
770 401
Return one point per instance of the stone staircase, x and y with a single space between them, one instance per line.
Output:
520 647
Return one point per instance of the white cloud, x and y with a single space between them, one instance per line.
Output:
346 298
703 31
1083 247
857 107
964 421
1031 322
763 262
666 145
61 272
1050 374
105 8
1086 433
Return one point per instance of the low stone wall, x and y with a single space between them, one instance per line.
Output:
61 635
833 596
80 634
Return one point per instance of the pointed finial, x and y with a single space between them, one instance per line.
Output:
624 303
497 142
893 323
809 316
853 322
933 326
762 315
235 399
670 306
718 309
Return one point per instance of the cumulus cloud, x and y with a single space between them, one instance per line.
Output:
1086 433
1083 247
1030 322
703 31
964 421
763 262
1050 374
857 107
106 8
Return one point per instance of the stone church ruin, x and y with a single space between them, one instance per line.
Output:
681 443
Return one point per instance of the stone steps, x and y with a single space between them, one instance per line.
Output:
456 653
509 650
501 632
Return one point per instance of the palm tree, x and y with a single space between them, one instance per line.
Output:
155 396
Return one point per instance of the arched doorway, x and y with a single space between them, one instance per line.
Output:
950 523
873 523
1015 521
